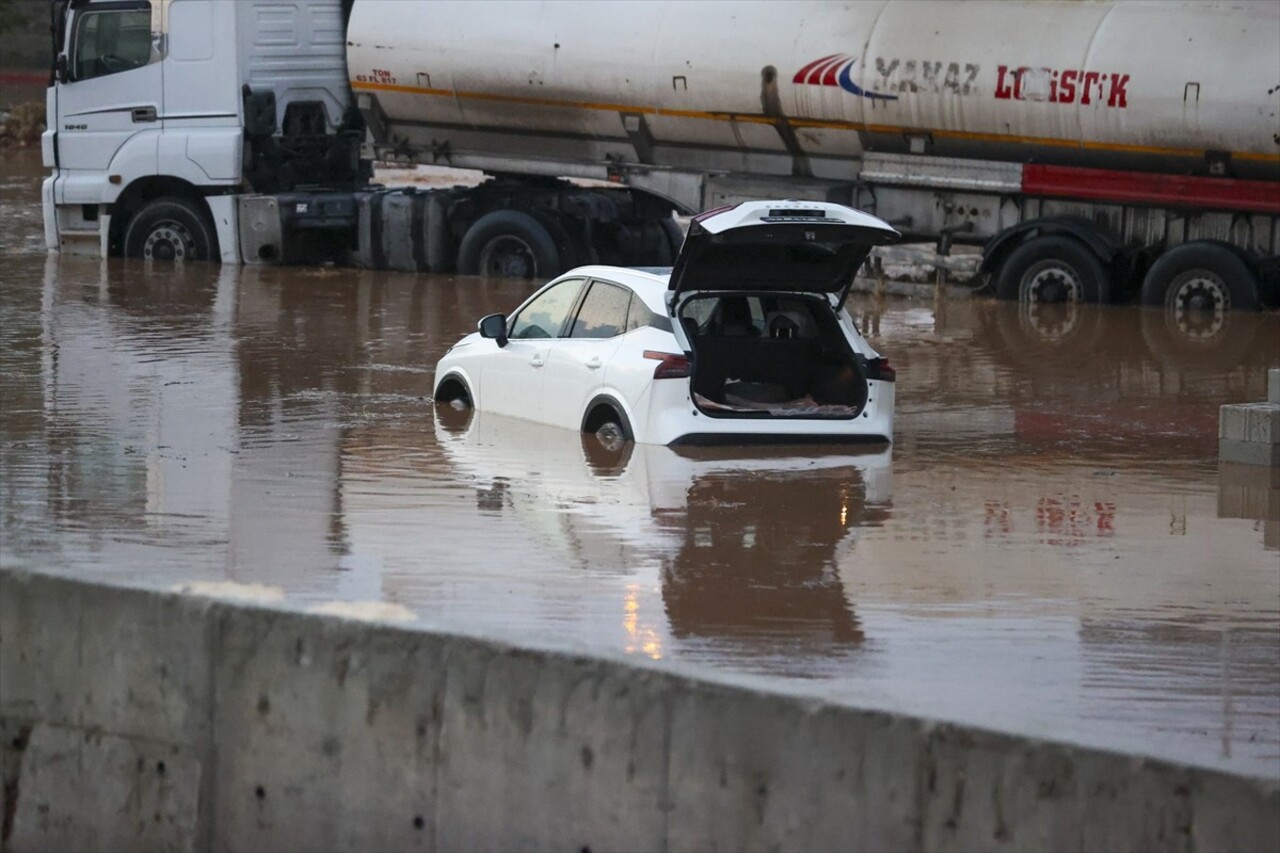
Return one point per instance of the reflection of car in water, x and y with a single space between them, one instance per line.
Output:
758 560
748 545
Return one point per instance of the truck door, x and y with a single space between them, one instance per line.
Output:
111 93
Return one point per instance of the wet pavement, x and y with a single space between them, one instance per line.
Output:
1050 547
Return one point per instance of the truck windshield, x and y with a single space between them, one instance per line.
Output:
110 41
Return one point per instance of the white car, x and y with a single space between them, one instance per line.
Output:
744 339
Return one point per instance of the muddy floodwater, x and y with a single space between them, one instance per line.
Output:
1050 547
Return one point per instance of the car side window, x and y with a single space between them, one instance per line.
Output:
544 317
603 313
639 316
111 41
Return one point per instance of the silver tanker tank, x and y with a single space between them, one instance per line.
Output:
803 88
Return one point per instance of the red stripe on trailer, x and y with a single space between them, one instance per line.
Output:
1163 190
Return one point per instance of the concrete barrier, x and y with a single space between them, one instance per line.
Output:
137 719
1249 433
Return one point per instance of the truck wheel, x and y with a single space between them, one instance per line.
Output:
508 244
1053 269
675 236
170 229
1198 284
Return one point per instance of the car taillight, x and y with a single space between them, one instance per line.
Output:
879 368
707 214
671 365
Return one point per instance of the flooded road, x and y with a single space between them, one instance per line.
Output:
1050 547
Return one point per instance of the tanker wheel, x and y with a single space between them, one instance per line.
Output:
1198 285
1053 270
508 244
170 229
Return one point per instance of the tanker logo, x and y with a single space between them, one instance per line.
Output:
836 70
1070 86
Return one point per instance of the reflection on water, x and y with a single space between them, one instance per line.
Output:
747 547
1050 545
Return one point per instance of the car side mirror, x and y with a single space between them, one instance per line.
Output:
494 326
60 68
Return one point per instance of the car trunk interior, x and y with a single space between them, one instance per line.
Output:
771 355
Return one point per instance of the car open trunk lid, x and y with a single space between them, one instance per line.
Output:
801 246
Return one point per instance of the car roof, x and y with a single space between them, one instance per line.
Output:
649 283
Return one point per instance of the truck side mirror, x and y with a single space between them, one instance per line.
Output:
494 326
60 68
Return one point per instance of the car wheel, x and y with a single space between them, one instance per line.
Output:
606 458
1053 270
170 229
1198 284
607 423
453 404
508 244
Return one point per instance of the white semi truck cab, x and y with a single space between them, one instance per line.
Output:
163 114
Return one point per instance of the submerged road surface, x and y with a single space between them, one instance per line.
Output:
1050 547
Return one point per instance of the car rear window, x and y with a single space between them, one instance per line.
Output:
603 313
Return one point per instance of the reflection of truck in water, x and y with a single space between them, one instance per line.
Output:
1132 151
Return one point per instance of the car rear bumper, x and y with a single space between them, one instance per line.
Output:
673 419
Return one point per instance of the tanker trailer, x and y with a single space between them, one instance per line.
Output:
1097 150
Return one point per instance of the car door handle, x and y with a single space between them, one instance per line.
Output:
536 361
141 114
594 362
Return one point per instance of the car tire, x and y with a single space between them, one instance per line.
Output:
1199 277
1053 269
453 404
170 229
508 244
603 411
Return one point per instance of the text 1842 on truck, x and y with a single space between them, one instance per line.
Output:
1095 151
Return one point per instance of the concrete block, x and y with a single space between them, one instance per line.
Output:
991 792
291 731
1230 813
39 648
1273 385
748 774
1249 491
527 730
1248 452
88 790
326 732
115 660
1253 422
